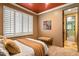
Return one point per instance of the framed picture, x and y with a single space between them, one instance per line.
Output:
47 25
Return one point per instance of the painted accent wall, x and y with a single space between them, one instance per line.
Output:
57 28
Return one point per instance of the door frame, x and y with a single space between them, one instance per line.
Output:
65 31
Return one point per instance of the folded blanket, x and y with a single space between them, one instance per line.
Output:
38 47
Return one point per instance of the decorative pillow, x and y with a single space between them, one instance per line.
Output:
2 38
11 47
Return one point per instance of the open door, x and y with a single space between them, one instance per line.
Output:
70 17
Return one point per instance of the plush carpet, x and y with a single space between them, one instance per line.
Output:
60 51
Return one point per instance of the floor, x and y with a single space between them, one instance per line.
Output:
70 45
60 51
71 38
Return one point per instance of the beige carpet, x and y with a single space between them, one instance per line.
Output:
60 51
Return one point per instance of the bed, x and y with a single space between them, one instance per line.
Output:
29 51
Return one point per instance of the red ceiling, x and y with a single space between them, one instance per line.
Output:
40 7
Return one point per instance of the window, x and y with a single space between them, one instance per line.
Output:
16 23
8 21
30 23
26 23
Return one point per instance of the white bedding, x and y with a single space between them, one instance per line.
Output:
28 51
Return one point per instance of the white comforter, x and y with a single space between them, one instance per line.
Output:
28 51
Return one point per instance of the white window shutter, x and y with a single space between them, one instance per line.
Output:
30 24
8 19
18 22
25 23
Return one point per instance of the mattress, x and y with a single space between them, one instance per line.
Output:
28 51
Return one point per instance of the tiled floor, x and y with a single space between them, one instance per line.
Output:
70 45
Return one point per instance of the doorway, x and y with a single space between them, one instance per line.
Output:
70 28
70 18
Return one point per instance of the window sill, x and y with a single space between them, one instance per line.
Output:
19 34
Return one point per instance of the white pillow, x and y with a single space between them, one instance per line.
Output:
3 50
1 40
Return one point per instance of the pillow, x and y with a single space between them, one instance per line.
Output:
1 42
11 47
6 41
3 51
2 38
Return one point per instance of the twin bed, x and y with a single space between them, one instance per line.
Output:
39 49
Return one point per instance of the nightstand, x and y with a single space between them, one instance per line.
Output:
47 40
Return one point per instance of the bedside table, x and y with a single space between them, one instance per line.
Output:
47 40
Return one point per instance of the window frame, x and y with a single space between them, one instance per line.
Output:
17 34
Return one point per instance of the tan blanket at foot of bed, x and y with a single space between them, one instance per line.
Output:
38 47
